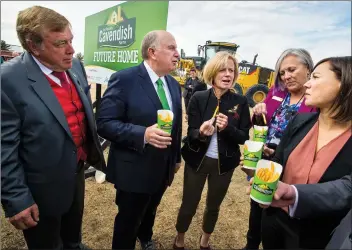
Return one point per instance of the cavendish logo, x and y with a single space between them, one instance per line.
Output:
118 31
260 135
166 126
263 188
251 157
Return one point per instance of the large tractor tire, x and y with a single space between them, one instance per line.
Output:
256 94
238 89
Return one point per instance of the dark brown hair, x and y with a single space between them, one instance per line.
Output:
33 21
342 105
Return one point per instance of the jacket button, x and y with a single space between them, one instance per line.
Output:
74 151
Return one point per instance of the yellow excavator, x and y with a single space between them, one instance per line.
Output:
254 81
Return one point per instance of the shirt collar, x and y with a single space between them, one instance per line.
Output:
153 76
43 68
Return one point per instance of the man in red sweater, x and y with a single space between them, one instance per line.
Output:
48 132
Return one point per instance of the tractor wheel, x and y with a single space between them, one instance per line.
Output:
256 94
238 89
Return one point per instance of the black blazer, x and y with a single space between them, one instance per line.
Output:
128 107
296 130
201 108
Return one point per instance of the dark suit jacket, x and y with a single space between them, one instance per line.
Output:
38 154
342 236
324 198
341 166
200 109
328 198
199 86
128 107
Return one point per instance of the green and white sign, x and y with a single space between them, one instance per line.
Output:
113 36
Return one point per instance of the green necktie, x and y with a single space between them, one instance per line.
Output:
161 94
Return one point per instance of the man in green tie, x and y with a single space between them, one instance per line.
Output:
143 158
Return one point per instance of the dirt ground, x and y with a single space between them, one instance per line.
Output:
100 211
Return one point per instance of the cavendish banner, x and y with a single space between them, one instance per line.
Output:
113 36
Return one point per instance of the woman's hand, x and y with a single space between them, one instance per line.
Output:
260 109
249 172
207 128
268 151
221 121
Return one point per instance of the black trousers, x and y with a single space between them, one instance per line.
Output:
63 231
193 186
135 217
187 98
254 236
280 231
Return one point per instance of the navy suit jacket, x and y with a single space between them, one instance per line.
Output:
38 154
128 107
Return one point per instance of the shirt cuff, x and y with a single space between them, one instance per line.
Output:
292 208
145 141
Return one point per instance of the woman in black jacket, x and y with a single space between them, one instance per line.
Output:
218 121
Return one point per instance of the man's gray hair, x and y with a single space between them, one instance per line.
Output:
302 54
150 40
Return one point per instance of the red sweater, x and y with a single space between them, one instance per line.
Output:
75 115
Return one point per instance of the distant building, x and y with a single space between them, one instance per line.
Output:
16 48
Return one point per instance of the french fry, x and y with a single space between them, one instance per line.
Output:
268 174
272 167
216 111
264 119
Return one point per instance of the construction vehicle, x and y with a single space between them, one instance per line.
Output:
184 65
254 81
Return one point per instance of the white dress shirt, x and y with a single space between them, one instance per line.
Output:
48 72
154 77
292 208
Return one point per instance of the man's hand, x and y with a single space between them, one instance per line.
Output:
260 109
221 121
268 151
26 219
177 167
207 128
157 137
284 196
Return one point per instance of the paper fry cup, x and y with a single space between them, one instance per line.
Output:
265 181
165 118
252 154
260 133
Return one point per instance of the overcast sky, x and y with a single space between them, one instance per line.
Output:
266 28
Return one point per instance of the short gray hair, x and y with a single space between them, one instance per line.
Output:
302 54
150 40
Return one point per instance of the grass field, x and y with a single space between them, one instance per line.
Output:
100 211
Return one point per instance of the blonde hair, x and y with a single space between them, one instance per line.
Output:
215 64
32 22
